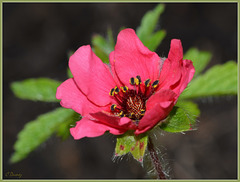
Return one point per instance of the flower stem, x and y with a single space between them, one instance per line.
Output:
155 160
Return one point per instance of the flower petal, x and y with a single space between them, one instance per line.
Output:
176 50
160 97
158 107
187 74
115 76
154 116
123 124
170 74
176 73
171 71
88 128
91 75
71 97
132 58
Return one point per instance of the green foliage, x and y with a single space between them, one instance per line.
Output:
219 80
155 39
110 39
63 128
200 59
136 145
40 89
148 25
181 118
38 131
103 46
69 73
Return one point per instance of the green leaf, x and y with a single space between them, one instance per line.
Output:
181 118
200 59
40 89
101 54
136 145
69 73
103 47
148 24
110 39
63 128
155 40
38 131
219 80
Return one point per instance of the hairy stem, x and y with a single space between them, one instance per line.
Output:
155 160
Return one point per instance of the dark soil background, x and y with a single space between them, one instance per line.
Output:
36 40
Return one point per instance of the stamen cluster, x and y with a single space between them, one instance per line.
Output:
147 88
131 103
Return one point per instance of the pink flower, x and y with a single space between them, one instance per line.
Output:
135 92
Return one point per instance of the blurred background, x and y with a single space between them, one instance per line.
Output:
36 41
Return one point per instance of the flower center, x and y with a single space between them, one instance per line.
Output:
132 102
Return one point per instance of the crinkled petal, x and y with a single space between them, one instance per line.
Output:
158 107
159 97
91 75
176 73
123 124
170 74
152 117
176 50
132 58
187 74
171 71
89 128
71 97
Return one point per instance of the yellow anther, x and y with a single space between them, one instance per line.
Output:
113 107
112 92
124 89
139 79
132 81
142 112
136 81
147 82
131 115
155 83
116 90
121 114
